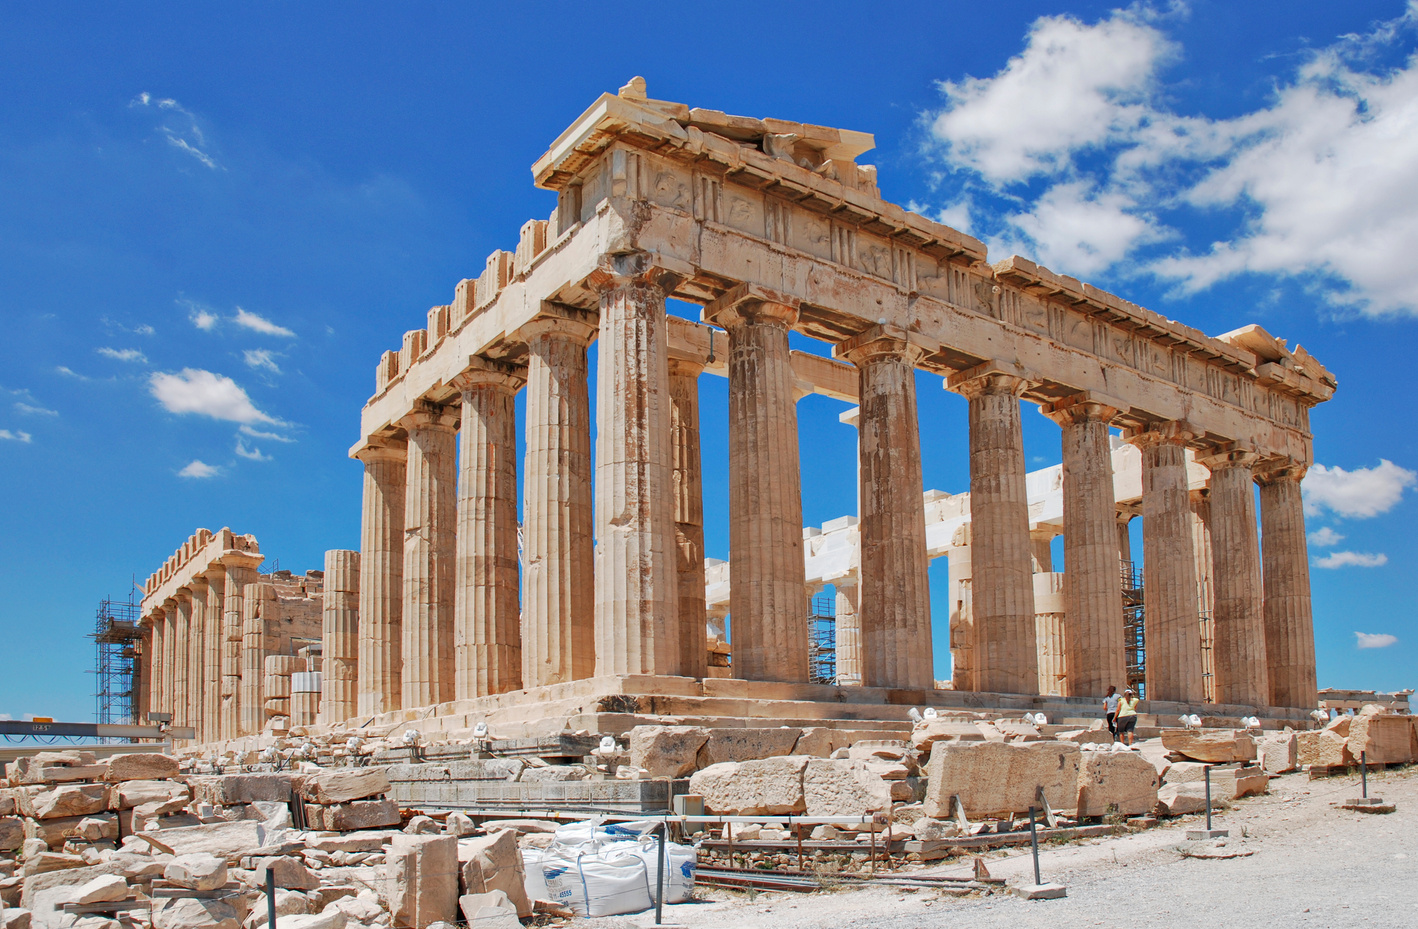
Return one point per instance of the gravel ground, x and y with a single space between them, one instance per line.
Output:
1313 864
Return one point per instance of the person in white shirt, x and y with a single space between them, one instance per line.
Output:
1110 709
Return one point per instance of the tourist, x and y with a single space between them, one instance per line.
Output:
1127 716
1110 709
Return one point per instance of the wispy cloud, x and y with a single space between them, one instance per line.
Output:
193 390
261 358
1325 537
124 354
1352 560
178 126
258 434
115 326
70 372
252 453
260 324
202 316
30 409
1374 640
1360 493
199 469
16 436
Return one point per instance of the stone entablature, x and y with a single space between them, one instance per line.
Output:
202 551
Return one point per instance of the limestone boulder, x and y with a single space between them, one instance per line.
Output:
1086 736
330 919
1279 751
1190 797
746 745
816 741
105 888
140 766
160 797
1001 778
65 800
1381 737
97 828
927 733
290 873
1154 751
288 903
422 880
1216 746
196 872
494 863
15 918
225 840
12 834
492 910
1229 782
1015 730
842 788
767 786
353 816
187 913
1324 748
666 751
233 789
342 786
1121 783
362 907
1339 725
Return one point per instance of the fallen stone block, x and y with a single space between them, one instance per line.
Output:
492 910
352 816
140 766
12 834
232 789
290 873
842 788
746 745
1001 778
69 877
494 863
422 880
65 800
332 919
103 889
196 872
15 918
1382 737
46 862
163 796
331 787
1279 752
231 841
926 734
1116 783
1323 748
288 903
768 786
1189 797
1216 746
188 913
666 751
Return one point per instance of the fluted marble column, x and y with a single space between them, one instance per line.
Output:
170 658
257 600
849 634
158 674
1199 503
637 627
766 573
212 647
1002 589
689 517
182 657
962 620
197 677
487 641
1171 615
239 573
559 598
339 679
381 577
1238 622
894 598
430 558
1289 627
1093 614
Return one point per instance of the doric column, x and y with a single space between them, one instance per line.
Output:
430 514
170 659
182 660
1003 585
240 571
1237 617
381 578
142 675
894 599
637 629
1092 583
158 674
1199 502
1289 629
849 633
689 517
766 574
487 646
559 597
1124 517
339 679
257 602
1171 616
212 646
962 620
197 678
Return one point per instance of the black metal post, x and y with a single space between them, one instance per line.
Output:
1364 774
660 876
270 898
1034 845
1207 772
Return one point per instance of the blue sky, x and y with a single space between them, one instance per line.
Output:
213 220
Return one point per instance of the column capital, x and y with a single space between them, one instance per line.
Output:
1084 407
234 559
198 584
685 367
428 415
881 342
990 377
1170 432
1232 455
380 448
635 269
1279 470
750 303
487 372
569 322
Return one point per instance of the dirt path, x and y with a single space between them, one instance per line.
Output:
1313 865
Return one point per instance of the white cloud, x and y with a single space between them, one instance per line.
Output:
196 391
1360 493
202 317
70 372
1374 639
199 469
1325 537
260 324
258 434
186 137
1352 560
261 358
251 454
1319 185
16 436
124 354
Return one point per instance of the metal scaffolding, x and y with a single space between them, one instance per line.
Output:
119 642
1134 634
822 639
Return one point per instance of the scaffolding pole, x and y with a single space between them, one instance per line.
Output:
119 642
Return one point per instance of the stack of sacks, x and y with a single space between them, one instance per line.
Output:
347 799
604 870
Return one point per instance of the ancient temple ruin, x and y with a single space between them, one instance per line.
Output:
773 227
